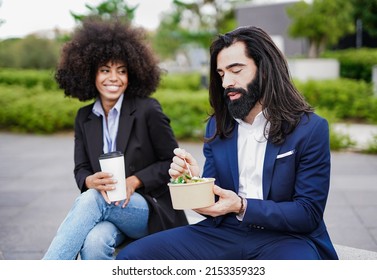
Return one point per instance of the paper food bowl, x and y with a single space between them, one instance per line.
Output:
192 195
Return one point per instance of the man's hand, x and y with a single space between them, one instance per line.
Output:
228 202
178 166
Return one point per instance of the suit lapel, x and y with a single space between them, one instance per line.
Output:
268 168
233 157
126 122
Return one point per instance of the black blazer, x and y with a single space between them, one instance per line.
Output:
147 141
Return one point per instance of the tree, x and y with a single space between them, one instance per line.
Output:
31 52
107 10
194 22
37 53
166 40
212 15
366 11
323 22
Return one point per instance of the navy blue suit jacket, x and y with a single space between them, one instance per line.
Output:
296 178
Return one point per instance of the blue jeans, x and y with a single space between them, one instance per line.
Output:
94 228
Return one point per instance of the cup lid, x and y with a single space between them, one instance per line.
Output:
111 155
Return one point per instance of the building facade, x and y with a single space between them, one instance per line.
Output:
274 20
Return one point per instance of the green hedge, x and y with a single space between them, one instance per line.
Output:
188 81
36 110
187 110
348 99
355 63
28 78
32 107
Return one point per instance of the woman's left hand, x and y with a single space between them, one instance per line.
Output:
132 183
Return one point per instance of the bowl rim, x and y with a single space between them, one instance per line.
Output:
190 184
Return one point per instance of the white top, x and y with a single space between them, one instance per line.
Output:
251 149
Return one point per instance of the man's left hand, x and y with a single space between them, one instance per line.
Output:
228 202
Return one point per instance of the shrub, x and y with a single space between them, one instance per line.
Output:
186 82
187 111
31 107
338 141
372 146
355 63
28 78
36 110
348 99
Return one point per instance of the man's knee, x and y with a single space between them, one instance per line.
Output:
290 249
129 252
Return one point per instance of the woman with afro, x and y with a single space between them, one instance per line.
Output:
109 63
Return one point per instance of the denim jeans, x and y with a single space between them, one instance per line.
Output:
94 228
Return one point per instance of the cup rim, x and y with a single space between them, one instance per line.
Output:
111 155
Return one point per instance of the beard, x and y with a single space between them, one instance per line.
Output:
241 107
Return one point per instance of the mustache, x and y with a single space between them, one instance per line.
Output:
237 90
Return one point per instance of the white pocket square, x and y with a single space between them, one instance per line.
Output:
286 154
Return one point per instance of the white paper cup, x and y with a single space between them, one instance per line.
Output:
192 195
113 163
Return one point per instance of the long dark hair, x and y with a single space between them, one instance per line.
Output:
97 42
282 104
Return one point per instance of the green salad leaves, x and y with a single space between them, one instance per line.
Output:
186 178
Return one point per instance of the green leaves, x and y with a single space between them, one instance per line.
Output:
323 22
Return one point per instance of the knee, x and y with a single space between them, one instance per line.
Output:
89 197
129 252
97 240
98 246
137 200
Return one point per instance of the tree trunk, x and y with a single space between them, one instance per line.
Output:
313 50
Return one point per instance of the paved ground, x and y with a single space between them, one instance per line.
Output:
37 189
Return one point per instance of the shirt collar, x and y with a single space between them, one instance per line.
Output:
258 120
98 110
258 127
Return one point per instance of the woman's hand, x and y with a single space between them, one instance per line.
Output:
178 167
102 182
132 184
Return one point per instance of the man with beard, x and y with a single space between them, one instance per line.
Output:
269 153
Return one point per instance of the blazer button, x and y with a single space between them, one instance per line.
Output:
132 168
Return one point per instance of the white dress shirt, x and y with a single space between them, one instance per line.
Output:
251 149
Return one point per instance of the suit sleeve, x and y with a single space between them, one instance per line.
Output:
82 167
209 169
